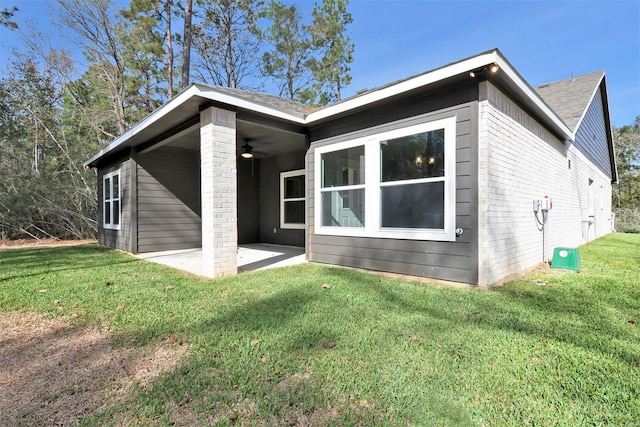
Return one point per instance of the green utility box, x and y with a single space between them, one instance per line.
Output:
566 258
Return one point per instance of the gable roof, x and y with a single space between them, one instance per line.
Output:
570 98
188 102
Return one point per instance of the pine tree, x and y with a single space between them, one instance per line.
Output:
335 48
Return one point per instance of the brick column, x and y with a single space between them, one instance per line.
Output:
219 192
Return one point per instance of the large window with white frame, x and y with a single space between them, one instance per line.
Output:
393 184
111 200
292 199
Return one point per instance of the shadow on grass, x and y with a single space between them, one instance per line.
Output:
579 315
301 324
36 261
295 320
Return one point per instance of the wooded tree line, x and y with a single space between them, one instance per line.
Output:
57 110
626 197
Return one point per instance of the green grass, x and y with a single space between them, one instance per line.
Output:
367 351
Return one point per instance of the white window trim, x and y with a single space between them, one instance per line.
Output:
283 176
106 225
373 184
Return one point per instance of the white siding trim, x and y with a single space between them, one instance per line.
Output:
110 225
283 175
372 185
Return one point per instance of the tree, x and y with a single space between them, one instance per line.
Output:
226 43
289 59
186 43
44 190
98 32
627 143
148 52
5 18
331 41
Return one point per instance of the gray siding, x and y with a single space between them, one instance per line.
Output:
401 107
270 169
454 261
168 208
591 136
118 239
248 200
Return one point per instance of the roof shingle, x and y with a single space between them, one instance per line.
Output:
276 102
570 98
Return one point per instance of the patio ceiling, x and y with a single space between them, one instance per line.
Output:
266 141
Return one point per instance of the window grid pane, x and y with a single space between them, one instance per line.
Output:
107 189
116 186
116 212
412 157
343 208
294 212
294 187
107 213
413 206
343 167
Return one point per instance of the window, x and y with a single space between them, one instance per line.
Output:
292 199
343 186
412 181
395 184
111 200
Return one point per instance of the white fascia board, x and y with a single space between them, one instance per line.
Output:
194 90
422 80
439 74
212 94
405 86
528 91
150 119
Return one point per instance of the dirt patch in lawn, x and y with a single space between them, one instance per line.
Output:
42 243
56 374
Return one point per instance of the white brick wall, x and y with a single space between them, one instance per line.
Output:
219 192
520 161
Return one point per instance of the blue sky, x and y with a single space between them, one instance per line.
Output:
544 40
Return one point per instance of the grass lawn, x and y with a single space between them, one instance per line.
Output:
279 348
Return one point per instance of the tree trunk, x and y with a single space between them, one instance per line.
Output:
186 49
169 52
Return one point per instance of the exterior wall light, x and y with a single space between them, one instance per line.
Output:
491 68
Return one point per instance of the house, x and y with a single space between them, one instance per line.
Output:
436 175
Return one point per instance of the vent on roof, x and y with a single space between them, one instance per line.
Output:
361 91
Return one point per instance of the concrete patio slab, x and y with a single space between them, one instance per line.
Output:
258 256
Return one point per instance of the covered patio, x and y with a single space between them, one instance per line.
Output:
251 257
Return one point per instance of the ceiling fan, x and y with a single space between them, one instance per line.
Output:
247 150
